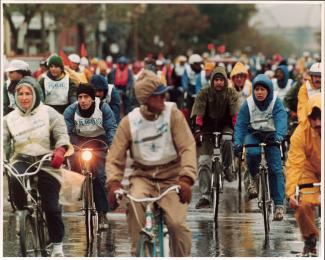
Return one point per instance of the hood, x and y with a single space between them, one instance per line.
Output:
33 84
262 79
285 72
219 70
239 68
315 101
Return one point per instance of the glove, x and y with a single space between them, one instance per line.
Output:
185 193
278 140
238 150
112 186
58 157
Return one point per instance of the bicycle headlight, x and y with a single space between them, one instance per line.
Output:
86 155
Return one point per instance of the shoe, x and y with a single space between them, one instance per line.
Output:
252 189
310 246
229 175
278 214
102 220
202 203
57 250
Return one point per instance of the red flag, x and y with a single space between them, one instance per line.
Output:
64 58
221 48
83 51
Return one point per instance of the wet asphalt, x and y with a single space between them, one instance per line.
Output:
240 231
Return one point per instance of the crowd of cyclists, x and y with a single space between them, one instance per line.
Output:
68 102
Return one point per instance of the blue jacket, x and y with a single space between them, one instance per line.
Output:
242 127
109 123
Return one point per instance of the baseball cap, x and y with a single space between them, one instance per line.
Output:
17 65
161 89
75 58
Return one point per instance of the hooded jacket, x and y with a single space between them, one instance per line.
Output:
306 91
244 93
243 127
216 107
283 86
304 158
32 131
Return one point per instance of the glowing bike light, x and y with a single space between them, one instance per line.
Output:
86 155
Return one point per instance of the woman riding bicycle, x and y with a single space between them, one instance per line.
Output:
262 118
31 131
163 150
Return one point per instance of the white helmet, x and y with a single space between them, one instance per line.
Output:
315 69
195 58
75 58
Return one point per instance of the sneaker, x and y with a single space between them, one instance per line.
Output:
202 203
309 252
278 214
57 250
229 175
102 220
252 189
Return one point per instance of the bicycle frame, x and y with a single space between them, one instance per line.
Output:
33 209
153 230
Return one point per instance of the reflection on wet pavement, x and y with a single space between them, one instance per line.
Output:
240 231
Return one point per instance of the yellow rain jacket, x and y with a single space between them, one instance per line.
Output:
302 100
304 158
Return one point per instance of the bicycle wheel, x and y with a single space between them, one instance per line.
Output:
27 235
145 247
10 196
43 234
265 203
239 174
88 210
216 188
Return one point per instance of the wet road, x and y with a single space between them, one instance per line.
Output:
240 231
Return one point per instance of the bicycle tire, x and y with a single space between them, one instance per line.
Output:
217 188
145 247
239 174
27 235
43 234
265 207
88 211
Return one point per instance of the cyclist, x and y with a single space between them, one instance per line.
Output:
304 166
163 156
239 80
16 70
58 87
29 128
262 117
107 93
311 87
213 110
89 119
282 83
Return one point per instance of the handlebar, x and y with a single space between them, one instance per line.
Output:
121 192
262 144
15 173
309 185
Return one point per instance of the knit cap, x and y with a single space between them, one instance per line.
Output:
99 81
55 60
86 89
146 85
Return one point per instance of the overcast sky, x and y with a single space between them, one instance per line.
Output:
288 15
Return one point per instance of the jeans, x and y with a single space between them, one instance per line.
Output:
49 189
274 163
125 99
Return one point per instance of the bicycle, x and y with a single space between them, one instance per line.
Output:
153 240
264 195
10 192
217 178
87 196
33 232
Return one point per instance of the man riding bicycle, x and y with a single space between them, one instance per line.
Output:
304 166
163 149
31 128
213 110
262 118
89 119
